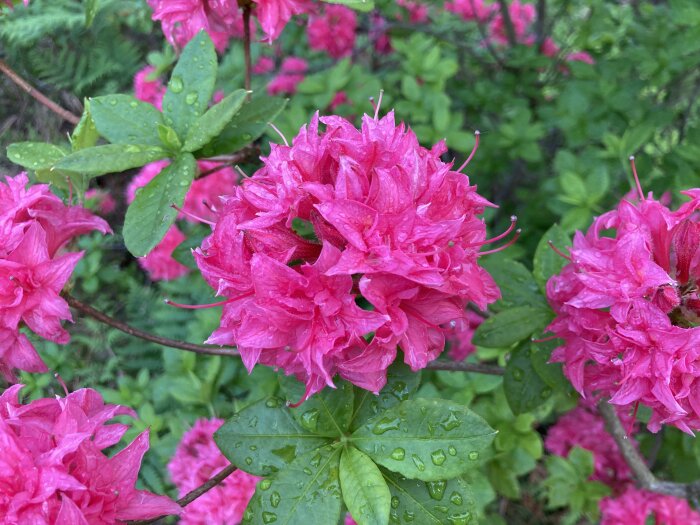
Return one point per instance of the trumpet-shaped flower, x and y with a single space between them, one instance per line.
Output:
333 31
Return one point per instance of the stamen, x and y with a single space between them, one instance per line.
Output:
211 305
545 339
70 190
559 252
636 178
239 170
61 382
506 245
477 134
279 133
192 215
630 430
379 104
513 221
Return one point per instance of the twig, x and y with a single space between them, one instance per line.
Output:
246 45
508 23
40 97
135 332
485 38
248 153
456 366
540 23
194 494
643 476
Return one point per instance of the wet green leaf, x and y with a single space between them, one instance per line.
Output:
547 262
34 155
214 121
364 490
122 119
110 158
511 326
525 390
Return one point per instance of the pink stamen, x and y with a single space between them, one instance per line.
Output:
192 215
477 134
506 245
61 382
211 305
636 178
545 339
279 133
70 190
379 104
630 430
559 252
513 221
239 170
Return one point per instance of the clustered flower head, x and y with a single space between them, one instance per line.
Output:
53 469
628 309
584 427
290 76
196 460
343 246
203 194
34 227
417 11
333 31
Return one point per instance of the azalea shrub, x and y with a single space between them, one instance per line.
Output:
353 261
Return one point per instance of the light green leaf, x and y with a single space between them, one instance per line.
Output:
110 158
122 119
440 502
214 121
427 439
151 214
169 138
510 326
85 134
264 438
34 155
307 491
357 5
191 85
547 262
524 388
90 11
364 490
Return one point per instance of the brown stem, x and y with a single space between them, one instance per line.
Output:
246 46
248 153
32 91
644 477
508 23
456 366
127 329
194 494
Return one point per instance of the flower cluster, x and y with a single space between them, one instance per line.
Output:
459 336
628 309
344 246
149 89
203 194
290 76
333 31
417 11
637 507
196 460
34 226
54 469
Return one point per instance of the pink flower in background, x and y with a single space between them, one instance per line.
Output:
476 10
340 98
333 31
273 15
196 460
291 75
34 226
636 506
417 11
459 336
150 91
580 56
378 34
263 65
349 520
366 215
627 313
522 16
101 201
54 469
159 263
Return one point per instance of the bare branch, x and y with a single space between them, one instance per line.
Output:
456 366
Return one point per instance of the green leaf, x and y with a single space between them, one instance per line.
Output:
364 490
441 502
183 252
169 138
34 155
510 326
151 214
214 121
191 85
518 286
307 491
264 438
401 382
85 134
90 11
547 262
551 373
357 5
110 158
525 390
326 413
248 125
122 119
427 439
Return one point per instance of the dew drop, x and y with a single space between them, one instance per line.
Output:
394 502
438 457
176 86
133 104
398 454
418 462
248 461
275 499
518 374
456 498
191 98
309 420
269 517
450 422
408 516
265 484
473 455
273 402
462 518
452 451
385 424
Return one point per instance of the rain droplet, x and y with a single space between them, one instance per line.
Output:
408 516
176 86
269 517
438 457
452 451
265 484
436 489
462 518
518 374
398 454
309 420
113 102
133 104
450 422
418 462
473 455
273 402
253 422
307 471
394 502
441 508
385 424
546 392
248 461
456 498
191 98
275 499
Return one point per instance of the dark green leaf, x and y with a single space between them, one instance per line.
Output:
547 262
122 119
34 155
90 11
110 158
518 286
358 5
183 252
264 438
524 388
306 491
441 502
364 490
214 121
427 439
248 125
85 134
551 373
191 84
401 382
326 413
510 326
151 214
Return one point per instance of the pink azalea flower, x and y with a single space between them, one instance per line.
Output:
196 460
263 65
378 34
340 98
159 264
387 224
54 469
333 31
102 201
273 15
580 56
549 48
460 336
635 506
468 10
291 75
150 91
627 312
349 520
522 15
417 11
